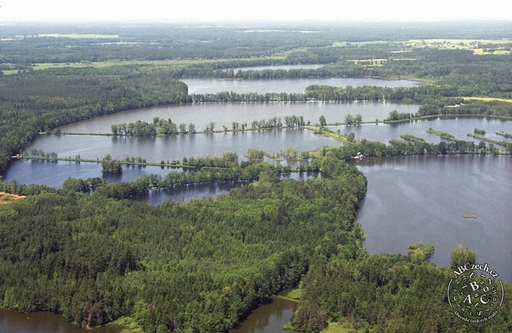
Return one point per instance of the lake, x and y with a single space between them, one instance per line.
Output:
424 198
224 114
213 86
276 67
152 149
178 147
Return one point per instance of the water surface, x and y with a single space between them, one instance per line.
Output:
423 198
42 322
177 147
277 67
213 86
224 114
187 192
459 127
269 318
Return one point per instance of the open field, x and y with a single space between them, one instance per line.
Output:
499 46
335 327
7 198
464 44
103 64
487 99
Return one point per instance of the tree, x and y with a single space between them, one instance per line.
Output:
349 120
358 119
481 147
192 128
393 115
442 148
75 185
108 165
322 121
115 129
461 256
183 128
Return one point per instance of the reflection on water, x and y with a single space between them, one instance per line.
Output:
55 173
223 114
180 146
187 192
268 318
42 322
459 127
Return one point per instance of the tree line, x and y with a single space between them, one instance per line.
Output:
41 102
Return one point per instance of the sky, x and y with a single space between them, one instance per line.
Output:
235 10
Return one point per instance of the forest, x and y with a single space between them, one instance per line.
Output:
88 252
202 265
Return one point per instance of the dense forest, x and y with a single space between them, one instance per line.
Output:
179 266
40 102
89 253
200 266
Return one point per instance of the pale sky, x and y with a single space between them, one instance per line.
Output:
215 10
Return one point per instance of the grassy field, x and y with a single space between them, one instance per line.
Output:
292 295
446 44
487 99
103 64
343 327
8 198
463 44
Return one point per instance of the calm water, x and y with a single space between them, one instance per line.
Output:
276 67
178 147
223 114
213 86
42 322
185 193
269 318
55 173
422 198
459 127
152 149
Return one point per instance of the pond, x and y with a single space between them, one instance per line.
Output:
224 114
269 318
151 149
42 322
185 193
